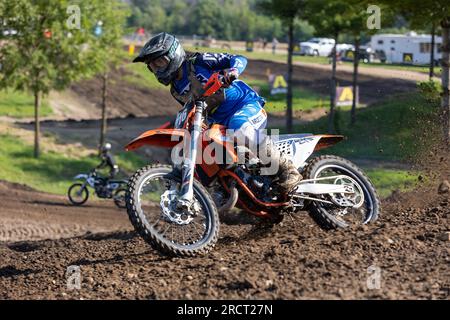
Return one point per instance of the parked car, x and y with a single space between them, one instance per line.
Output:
341 48
316 47
365 54
9 32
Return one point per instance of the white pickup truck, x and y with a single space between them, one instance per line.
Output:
317 47
321 47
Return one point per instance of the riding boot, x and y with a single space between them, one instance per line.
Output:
286 175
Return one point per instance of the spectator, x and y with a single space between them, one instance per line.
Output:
274 45
264 44
140 34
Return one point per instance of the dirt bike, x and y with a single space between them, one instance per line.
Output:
104 188
176 208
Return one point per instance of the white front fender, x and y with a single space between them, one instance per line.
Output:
81 177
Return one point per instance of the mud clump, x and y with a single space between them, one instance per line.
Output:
444 187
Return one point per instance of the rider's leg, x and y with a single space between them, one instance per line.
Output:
249 123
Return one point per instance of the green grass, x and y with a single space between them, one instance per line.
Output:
52 172
20 105
394 130
403 67
282 57
303 99
388 180
140 76
261 55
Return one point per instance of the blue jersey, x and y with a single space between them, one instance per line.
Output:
237 95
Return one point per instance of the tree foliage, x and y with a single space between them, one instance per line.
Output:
223 19
45 53
48 44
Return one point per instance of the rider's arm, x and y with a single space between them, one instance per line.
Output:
102 164
110 160
222 61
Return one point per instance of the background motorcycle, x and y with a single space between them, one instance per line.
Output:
104 188
175 208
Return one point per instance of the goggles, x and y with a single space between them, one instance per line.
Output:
159 64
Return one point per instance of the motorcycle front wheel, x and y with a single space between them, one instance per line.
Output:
150 201
78 194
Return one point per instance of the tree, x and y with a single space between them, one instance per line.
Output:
423 13
357 18
224 19
329 19
54 44
109 43
426 18
288 11
206 13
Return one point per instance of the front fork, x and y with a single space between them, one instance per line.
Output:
84 185
187 183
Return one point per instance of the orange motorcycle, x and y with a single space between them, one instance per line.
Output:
176 207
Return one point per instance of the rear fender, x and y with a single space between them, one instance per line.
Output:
300 147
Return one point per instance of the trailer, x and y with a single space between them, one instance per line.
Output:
409 48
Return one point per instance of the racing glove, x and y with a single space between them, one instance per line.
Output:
229 76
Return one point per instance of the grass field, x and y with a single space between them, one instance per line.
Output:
52 172
140 76
388 180
262 55
396 130
20 105
392 130
303 99
282 57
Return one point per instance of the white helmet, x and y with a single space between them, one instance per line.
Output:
106 146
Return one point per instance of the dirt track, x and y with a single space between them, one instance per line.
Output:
251 261
29 215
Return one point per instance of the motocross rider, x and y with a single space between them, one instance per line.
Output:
108 161
238 106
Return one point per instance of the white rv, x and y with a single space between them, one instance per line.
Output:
410 48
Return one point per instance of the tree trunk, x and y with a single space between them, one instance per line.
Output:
289 79
355 80
445 79
332 88
433 34
37 125
104 118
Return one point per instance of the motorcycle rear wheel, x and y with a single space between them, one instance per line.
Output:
119 198
332 216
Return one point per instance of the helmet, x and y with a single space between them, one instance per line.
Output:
163 55
106 147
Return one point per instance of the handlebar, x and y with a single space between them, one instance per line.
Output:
213 85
